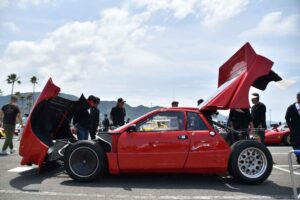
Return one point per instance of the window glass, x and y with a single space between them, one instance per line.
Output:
194 122
163 121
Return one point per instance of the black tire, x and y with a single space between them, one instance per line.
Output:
85 160
250 162
287 140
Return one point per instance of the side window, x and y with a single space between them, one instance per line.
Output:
194 122
163 121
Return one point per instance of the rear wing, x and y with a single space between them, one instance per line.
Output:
243 70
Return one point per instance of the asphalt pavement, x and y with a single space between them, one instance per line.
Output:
26 183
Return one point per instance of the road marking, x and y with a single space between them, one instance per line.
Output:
295 166
285 170
21 169
231 187
279 153
173 197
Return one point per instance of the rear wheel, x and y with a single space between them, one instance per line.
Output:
287 139
85 160
251 162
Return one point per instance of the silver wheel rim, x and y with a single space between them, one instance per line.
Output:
252 162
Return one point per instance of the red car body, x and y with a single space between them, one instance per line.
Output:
277 136
191 151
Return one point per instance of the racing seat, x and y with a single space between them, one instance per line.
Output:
297 153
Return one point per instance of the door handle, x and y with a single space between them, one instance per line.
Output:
183 137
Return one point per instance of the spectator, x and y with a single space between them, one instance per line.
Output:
105 123
258 113
175 103
10 112
118 113
292 118
240 120
82 118
94 116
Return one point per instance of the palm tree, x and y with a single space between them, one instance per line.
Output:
33 80
22 99
12 79
29 102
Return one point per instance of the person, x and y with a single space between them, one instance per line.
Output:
105 123
24 120
95 112
258 113
118 113
10 112
82 118
175 103
292 118
240 120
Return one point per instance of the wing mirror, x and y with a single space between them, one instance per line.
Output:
132 128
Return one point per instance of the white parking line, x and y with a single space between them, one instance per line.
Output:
21 169
173 197
279 153
285 170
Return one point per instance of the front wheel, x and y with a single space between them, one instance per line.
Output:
251 162
85 160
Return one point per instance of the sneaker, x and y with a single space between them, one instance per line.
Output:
3 152
13 150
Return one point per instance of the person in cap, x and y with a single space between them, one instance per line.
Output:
292 118
82 117
258 114
9 113
174 103
95 112
118 113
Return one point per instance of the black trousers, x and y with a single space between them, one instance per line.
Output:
93 135
261 134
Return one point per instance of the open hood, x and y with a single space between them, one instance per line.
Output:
49 120
236 76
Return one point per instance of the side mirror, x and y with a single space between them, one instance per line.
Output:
132 128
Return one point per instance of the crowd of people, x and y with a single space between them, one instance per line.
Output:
86 119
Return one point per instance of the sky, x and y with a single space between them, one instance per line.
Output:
149 52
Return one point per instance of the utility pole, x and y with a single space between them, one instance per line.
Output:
270 117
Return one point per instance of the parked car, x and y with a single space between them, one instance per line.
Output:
166 140
277 136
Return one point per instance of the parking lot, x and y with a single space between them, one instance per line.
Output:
27 183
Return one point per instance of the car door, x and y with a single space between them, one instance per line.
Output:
160 142
208 150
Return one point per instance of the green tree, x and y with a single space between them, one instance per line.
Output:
12 79
29 102
22 100
33 80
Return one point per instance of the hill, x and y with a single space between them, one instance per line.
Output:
105 106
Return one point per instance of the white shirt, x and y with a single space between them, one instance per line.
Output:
298 107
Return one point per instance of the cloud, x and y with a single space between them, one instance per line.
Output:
213 12
9 26
275 24
3 3
77 50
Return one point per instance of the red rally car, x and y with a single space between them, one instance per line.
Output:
277 136
167 140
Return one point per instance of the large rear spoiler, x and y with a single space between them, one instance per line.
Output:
243 70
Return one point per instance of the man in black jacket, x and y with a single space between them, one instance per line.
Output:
94 116
118 113
258 113
292 118
82 118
